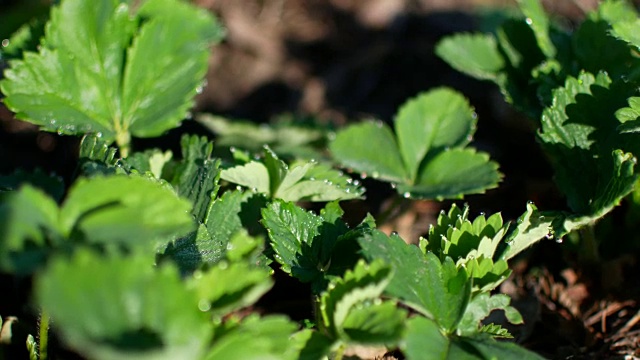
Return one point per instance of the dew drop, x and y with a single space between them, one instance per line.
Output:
233 149
328 182
204 305
98 134
474 115
255 190
379 123
406 195
375 175
394 233
5 42
529 21
559 240
394 185
312 178
364 175
356 182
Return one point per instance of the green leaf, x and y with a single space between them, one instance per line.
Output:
593 162
453 173
256 338
32 347
430 123
596 50
480 307
302 181
539 22
349 312
381 323
425 342
531 227
29 227
305 244
101 69
371 148
287 138
143 210
98 158
228 287
122 308
196 177
316 345
228 215
429 159
438 290
476 55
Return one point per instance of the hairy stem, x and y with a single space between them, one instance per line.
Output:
43 334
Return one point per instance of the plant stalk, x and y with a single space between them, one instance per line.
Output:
43 334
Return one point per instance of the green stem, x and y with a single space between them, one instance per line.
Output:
43 335
339 354
589 245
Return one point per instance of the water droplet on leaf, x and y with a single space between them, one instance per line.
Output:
406 195
529 21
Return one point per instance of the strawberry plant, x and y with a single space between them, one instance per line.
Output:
147 254
579 86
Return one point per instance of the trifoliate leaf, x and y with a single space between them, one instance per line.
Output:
306 244
255 338
593 162
424 341
227 287
129 210
429 159
474 54
481 306
350 309
439 290
539 22
306 181
29 228
100 68
430 123
122 308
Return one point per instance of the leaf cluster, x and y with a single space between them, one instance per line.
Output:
576 84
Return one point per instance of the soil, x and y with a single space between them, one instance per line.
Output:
344 60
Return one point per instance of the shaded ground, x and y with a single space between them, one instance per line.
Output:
346 59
